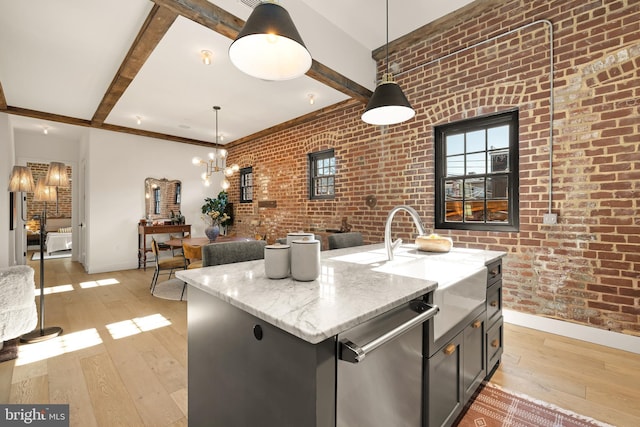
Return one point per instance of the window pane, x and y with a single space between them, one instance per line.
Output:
476 164
474 188
474 211
498 137
455 166
498 187
455 144
453 189
499 161
497 210
453 211
475 141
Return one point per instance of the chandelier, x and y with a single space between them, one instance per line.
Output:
216 163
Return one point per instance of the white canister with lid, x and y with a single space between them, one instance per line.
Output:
276 261
305 259
299 235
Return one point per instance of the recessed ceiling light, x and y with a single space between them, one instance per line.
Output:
206 56
312 98
45 130
138 120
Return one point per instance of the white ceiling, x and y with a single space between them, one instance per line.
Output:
60 57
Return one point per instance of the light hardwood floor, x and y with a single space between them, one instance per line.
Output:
122 359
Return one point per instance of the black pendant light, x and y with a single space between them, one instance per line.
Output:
387 105
269 46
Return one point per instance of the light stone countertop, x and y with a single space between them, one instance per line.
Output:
352 287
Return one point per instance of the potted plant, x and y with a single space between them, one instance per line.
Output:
213 213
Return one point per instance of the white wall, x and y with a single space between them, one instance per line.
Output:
7 237
116 166
109 169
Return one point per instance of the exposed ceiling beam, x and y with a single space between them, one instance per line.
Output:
223 22
115 128
154 28
3 99
435 27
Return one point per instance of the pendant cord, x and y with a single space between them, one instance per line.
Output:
216 109
387 48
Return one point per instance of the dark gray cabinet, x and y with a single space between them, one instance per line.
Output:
244 371
473 362
454 373
444 394
455 368
494 337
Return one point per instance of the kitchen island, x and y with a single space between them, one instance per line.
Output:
265 352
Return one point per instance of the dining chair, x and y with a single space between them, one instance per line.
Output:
176 250
166 263
192 256
230 252
345 240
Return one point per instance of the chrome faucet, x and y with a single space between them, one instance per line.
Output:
388 244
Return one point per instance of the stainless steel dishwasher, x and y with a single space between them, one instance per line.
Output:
379 378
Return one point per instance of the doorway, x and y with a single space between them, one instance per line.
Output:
58 216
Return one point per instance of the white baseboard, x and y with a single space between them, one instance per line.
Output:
572 330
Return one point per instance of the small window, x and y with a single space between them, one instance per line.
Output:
477 174
246 185
322 171
156 200
178 193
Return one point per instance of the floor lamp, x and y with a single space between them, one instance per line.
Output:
43 193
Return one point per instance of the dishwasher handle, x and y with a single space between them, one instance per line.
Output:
353 353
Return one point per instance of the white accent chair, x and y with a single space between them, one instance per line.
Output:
18 313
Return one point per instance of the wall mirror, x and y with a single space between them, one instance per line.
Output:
162 198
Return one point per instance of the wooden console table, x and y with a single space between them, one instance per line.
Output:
145 230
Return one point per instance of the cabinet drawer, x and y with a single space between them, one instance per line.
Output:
474 356
494 302
494 272
444 399
494 346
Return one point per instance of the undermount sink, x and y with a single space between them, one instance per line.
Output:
461 286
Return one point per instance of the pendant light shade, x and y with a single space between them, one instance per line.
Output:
21 180
387 105
269 46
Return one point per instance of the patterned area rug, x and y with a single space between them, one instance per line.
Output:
495 407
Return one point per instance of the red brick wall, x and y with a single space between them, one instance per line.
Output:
583 270
39 171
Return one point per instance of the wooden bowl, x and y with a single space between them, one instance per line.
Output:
434 243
